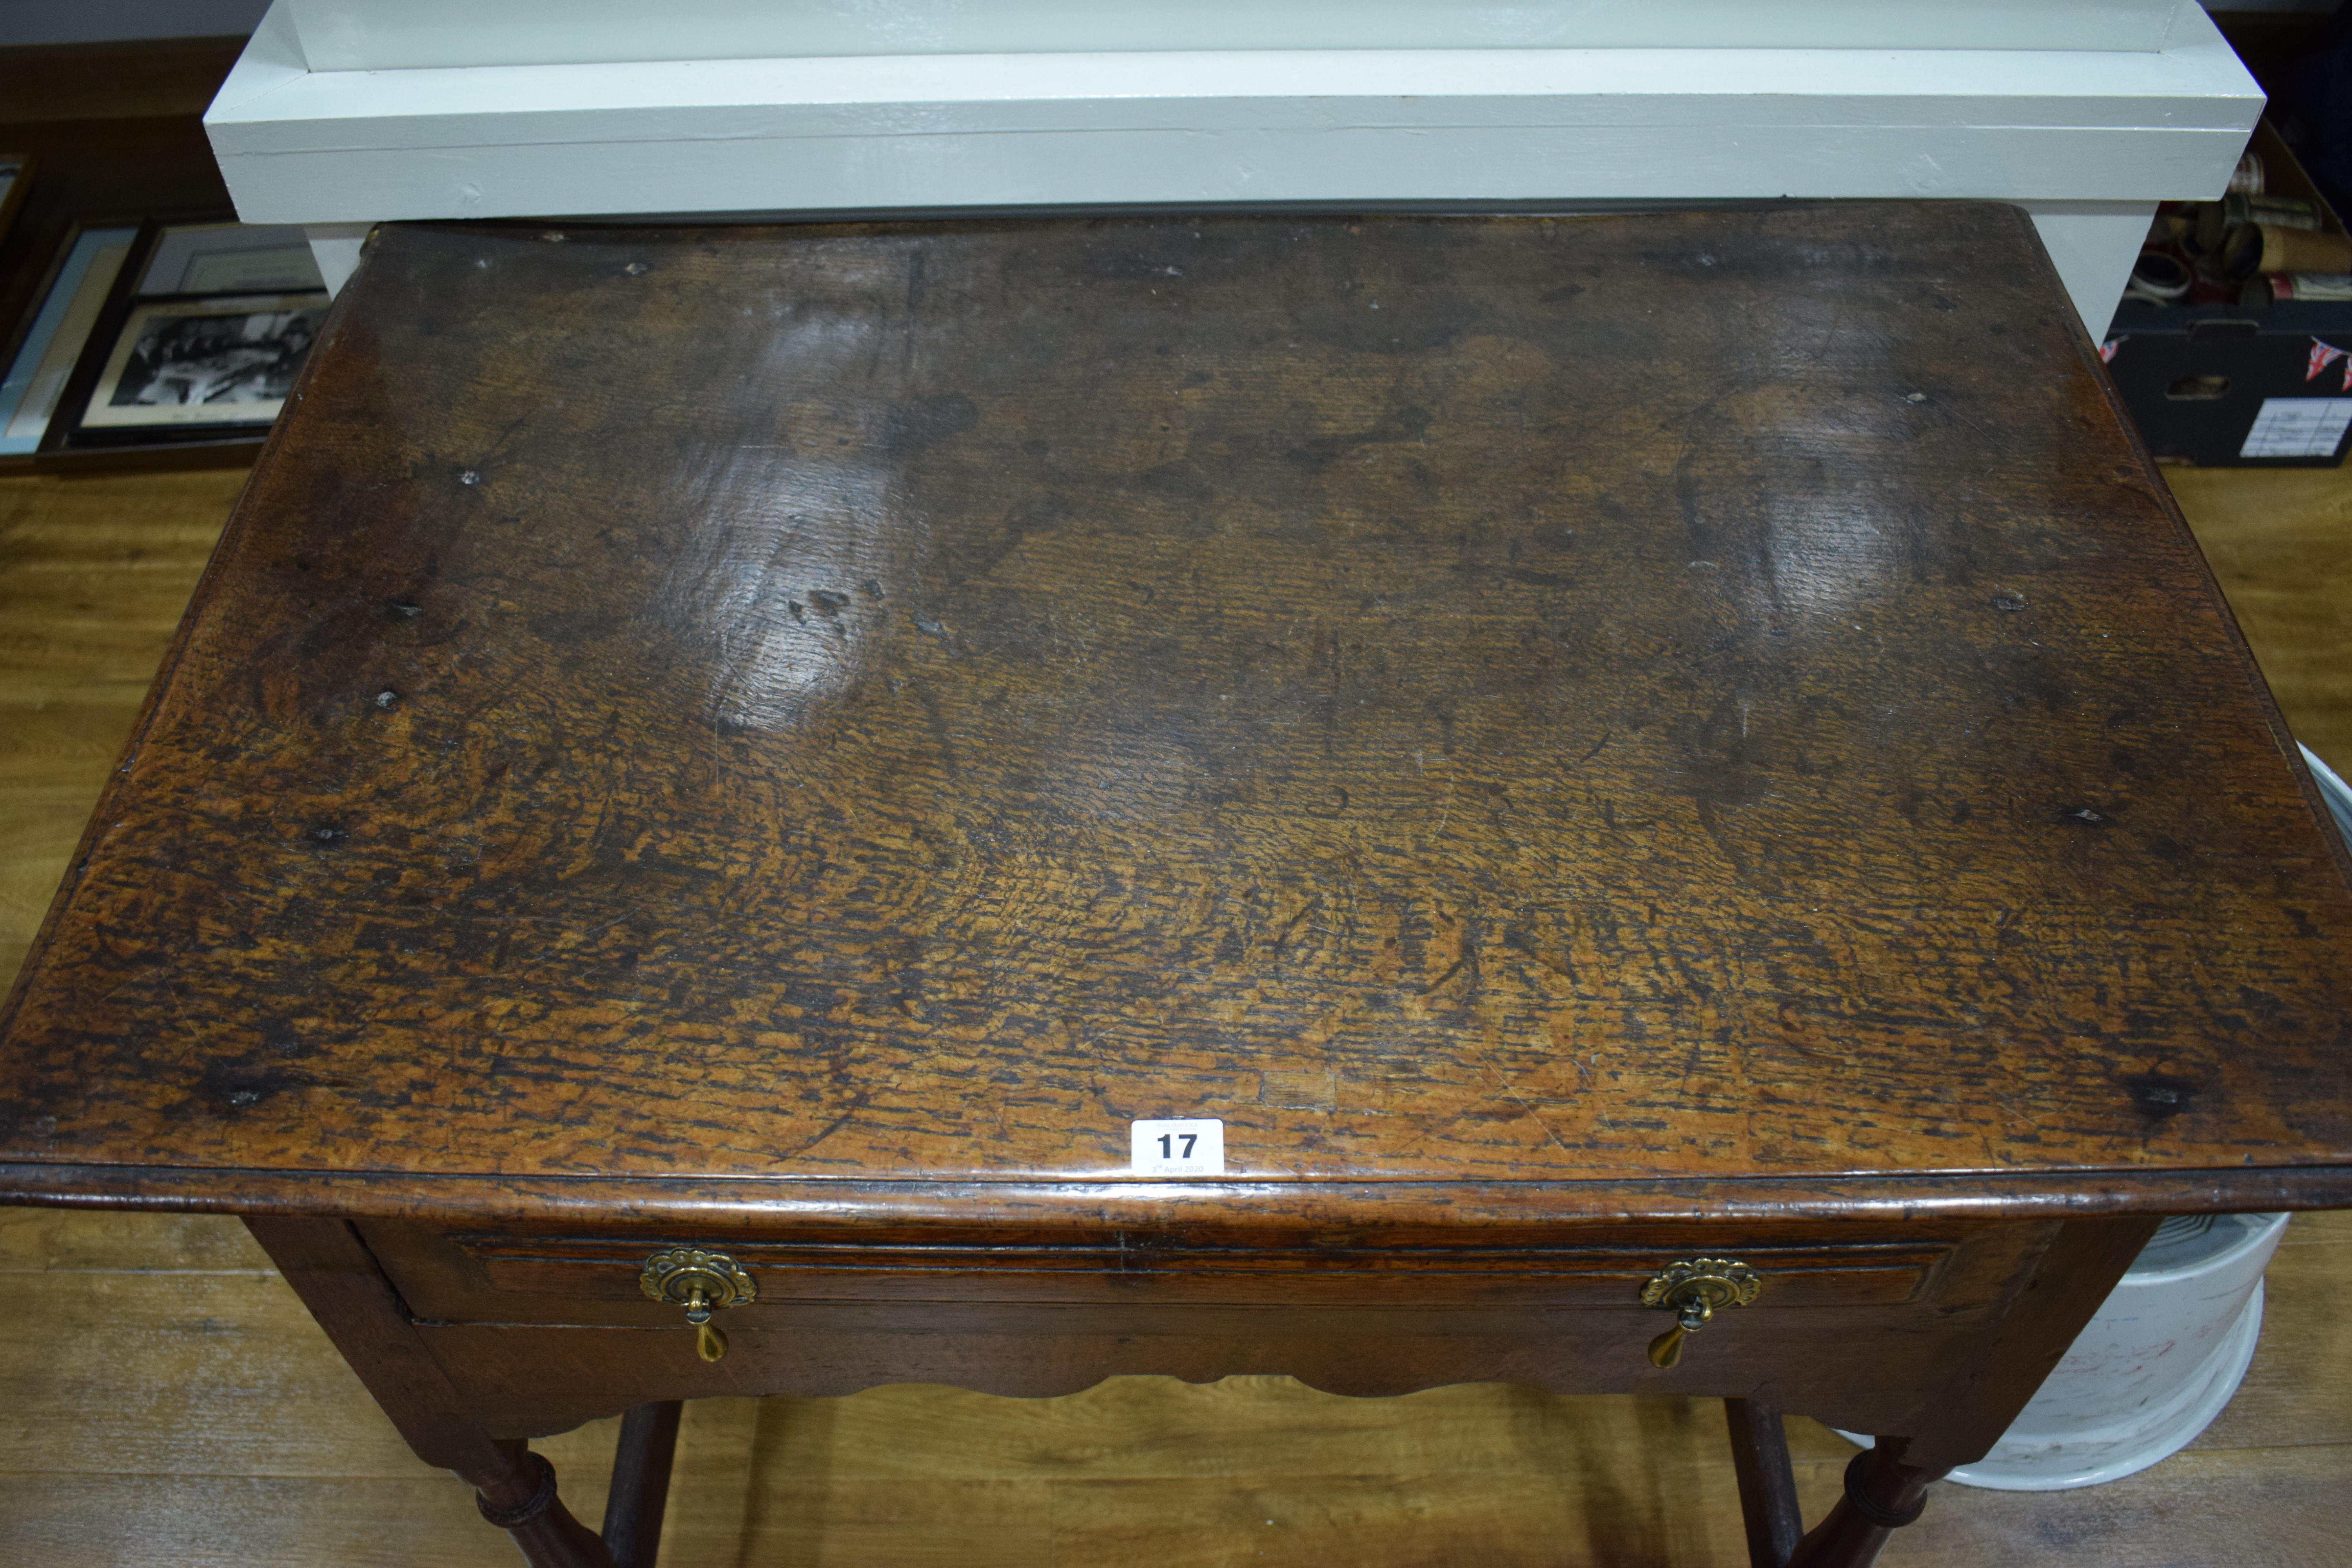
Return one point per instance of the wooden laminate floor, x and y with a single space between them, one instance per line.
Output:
164 1400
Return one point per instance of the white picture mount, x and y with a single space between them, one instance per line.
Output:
1957 98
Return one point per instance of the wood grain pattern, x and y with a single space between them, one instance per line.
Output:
1608 701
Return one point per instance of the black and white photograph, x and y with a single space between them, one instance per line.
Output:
214 361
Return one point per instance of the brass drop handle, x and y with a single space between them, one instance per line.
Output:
710 1344
1692 1289
702 1282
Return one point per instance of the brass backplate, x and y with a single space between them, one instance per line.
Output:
1717 1281
672 1274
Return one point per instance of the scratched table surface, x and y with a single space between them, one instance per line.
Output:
1585 700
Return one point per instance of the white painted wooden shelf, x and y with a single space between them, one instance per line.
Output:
344 112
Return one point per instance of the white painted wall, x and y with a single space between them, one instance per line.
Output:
2088 138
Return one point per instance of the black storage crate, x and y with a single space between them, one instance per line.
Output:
2236 386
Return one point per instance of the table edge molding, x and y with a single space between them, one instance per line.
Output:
1093 1204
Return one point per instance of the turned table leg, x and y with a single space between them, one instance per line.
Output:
337 1277
1887 1487
520 1499
1882 1495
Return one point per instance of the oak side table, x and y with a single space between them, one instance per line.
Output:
1649 803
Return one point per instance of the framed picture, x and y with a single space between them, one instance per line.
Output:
205 361
81 281
229 259
203 328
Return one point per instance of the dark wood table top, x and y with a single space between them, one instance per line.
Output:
1697 713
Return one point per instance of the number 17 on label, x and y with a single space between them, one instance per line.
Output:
1179 1148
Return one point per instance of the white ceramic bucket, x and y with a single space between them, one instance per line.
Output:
2151 1371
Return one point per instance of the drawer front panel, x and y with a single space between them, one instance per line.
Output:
482 1276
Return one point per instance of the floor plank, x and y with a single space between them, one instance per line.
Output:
99 1241
2283 1508
240 1522
2280 543
94 573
